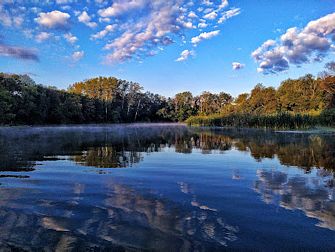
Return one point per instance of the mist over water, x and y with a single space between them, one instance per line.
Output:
165 187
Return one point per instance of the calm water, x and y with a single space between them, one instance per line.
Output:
165 188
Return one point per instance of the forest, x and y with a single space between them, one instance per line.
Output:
296 103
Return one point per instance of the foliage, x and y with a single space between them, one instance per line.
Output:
296 103
24 102
278 121
327 117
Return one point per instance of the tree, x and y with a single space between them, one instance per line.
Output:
301 95
184 105
327 83
262 100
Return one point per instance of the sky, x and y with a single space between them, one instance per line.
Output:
168 46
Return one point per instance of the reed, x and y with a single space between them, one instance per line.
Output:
275 121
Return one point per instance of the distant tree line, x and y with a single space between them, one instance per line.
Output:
110 100
99 100
296 103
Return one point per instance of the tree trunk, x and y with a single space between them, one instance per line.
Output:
138 106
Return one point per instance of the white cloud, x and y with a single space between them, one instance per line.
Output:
265 46
202 24
192 15
229 14
35 9
297 46
106 20
188 25
149 32
5 18
86 19
237 65
78 55
184 55
70 38
224 4
104 32
207 2
130 29
42 36
11 16
205 35
18 20
212 15
63 1
54 19
66 7
120 7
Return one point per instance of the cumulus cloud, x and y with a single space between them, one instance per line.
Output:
154 24
128 29
203 36
11 16
229 14
18 52
120 7
148 32
42 36
78 55
202 24
5 18
63 1
70 38
207 2
53 20
212 15
18 21
192 14
224 4
86 19
184 55
104 32
237 65
297 46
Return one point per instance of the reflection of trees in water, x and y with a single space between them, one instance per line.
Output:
133 220
205 141
122 146
107 157
22 146
122 217
13 162
302 150
315 195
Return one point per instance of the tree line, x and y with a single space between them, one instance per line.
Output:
99 100
111 100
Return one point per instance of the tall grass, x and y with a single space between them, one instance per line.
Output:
277 121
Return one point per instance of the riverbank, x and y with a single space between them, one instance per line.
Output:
283 121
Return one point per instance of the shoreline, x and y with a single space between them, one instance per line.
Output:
312 130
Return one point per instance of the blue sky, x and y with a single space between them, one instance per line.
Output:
167 46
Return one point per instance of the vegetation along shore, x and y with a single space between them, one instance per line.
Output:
297 103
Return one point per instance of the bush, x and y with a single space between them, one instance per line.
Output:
277 121
327 117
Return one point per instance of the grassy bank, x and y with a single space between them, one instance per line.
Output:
276 121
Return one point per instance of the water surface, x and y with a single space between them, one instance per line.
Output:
165 188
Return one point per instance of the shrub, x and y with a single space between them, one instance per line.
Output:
327 117
277 121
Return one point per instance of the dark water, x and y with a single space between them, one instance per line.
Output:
165 188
